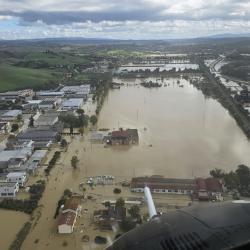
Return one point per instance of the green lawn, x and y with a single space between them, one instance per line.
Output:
12 77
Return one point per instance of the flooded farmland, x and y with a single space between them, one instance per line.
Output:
182 134
13 222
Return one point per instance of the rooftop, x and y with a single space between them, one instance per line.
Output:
12 113
14 154
15 174
72 102
8 184
67 218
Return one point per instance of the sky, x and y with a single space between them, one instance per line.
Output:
122 19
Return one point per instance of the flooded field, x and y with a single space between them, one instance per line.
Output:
11 223
182 134
189 134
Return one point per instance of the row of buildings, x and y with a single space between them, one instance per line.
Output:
202 188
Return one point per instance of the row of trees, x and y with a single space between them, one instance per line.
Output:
52 162
238 179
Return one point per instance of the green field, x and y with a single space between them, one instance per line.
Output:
12 77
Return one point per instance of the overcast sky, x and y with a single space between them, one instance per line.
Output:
122 19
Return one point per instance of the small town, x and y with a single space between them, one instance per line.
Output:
124 125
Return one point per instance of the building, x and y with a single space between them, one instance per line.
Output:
49 94
120 137
8 189
20 177
163 185
11 115
49 103
68 215
79 91
13 95
42 136
4 128
14 158
133 134
209 188
47 119
72 104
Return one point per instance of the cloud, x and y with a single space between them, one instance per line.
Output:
123 19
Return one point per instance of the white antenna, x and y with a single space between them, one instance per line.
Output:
150 203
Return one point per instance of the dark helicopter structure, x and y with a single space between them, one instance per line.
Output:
214 226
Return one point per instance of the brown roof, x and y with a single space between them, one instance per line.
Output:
71 204
66 219
120 133
213 185
201 184
163 183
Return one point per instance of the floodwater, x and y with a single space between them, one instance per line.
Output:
182 134
167 67
11 223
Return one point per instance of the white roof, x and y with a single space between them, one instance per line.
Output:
16 174
15 154
73 102
12 113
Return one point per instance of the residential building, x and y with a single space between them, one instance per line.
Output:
11 115
14 158
72 104
120 137
13 95
49 103
42 136
4 128
158 184
68 215
79 91
47 119
48 94
20 177
8 189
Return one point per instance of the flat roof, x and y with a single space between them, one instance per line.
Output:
7 184
15 174
72 102
14 154
12 113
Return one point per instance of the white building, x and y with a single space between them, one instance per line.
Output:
8 189
11 115
68 216
72 104
20 177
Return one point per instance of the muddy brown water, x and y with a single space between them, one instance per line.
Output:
182 134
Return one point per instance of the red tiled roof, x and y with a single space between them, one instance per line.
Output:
213 185
71 204
201 184
119 133
66 219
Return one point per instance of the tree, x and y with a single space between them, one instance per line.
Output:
127 224
81 131
243 173
31 122
19 118
120 202
74 161
71 129
217 173
93 119
231 180
80 112
64 143
14 127
134 211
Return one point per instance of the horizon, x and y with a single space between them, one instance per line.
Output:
128 20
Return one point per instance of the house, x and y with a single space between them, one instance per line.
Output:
49 103
4 127
8 189
13 95
49 94
47 119
20 177
133 134
79 91
68 215
209 188
14 158
72 104
120 137
42 136
158 184
11 115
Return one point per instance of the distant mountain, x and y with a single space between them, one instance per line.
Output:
227 35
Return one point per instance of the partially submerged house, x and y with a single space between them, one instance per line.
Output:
163 185
19 177
8 189
123 137
68 216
